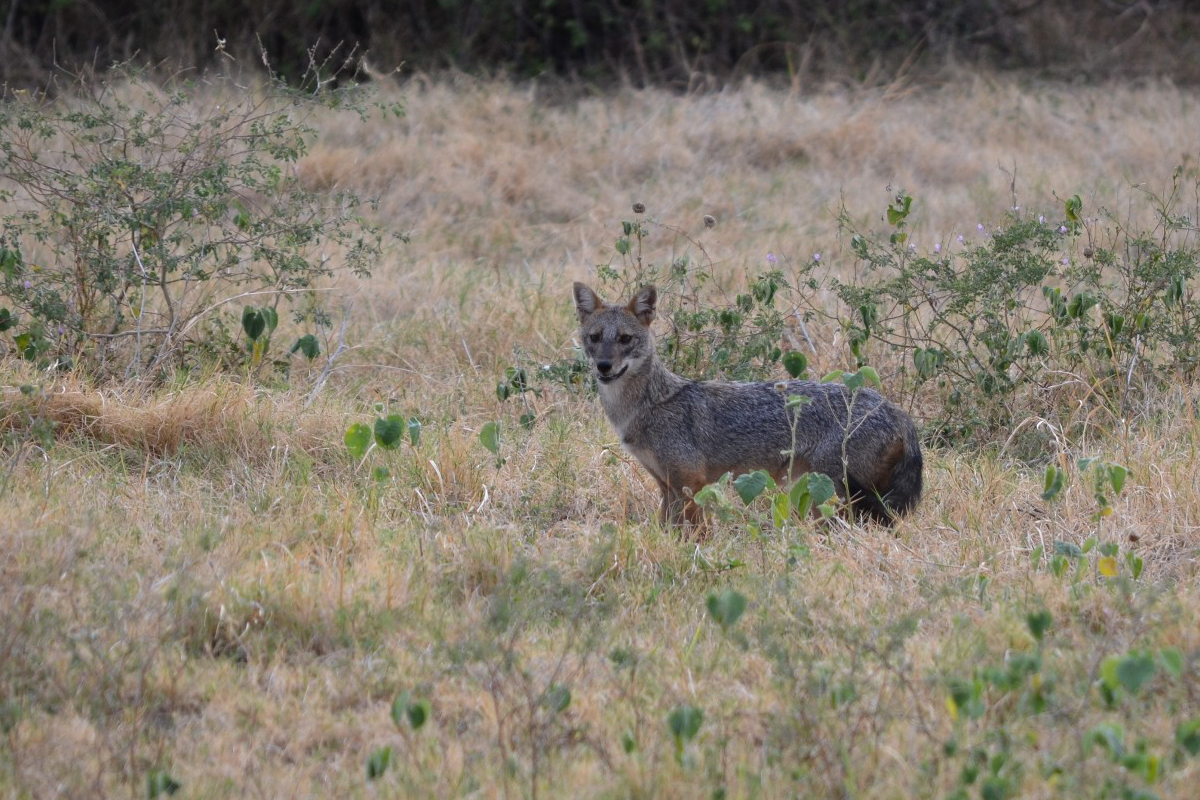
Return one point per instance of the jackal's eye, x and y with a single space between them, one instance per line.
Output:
624 338
594 338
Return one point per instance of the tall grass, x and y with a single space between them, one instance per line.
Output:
197 578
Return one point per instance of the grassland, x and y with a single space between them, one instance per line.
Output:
197 578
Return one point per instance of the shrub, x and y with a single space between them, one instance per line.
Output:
709 333
139 208
1029 319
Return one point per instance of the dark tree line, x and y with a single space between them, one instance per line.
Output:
675 42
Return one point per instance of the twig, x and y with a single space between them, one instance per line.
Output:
341 346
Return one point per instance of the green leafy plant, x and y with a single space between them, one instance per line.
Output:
712 330
135 211
489 437
378 763
726 608
415 711
387 434
159 783
684 723
985 327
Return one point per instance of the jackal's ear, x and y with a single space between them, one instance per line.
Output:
586 301
643 303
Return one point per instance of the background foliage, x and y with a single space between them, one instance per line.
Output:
677 41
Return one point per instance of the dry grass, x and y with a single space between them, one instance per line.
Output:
200 579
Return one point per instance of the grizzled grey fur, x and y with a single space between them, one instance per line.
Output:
689 433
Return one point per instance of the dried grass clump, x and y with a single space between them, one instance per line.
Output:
220 416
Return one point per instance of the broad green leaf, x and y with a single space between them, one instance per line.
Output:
870 376
418 713
414 431
1067 549
489 436
799 499
1116 477
1039 622
1172 660
1036 343
159 782
7 319
794 362
271 318
558 698
308 345
708 494
726 608
832 376
751 485
1133 671
1110 736
10 260
820 487
854 380
1187 736
1052 482
378 763
380 474
253 322
388 431
684 722
242 218
358 439
780 509
1108 567
995 787
1073 206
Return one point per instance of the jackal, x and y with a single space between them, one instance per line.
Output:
689 433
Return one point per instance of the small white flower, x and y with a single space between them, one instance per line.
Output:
979 227
960 238
937 248
1066 261
1041 219
1062 229
816 256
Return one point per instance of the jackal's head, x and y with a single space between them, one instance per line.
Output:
616 338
